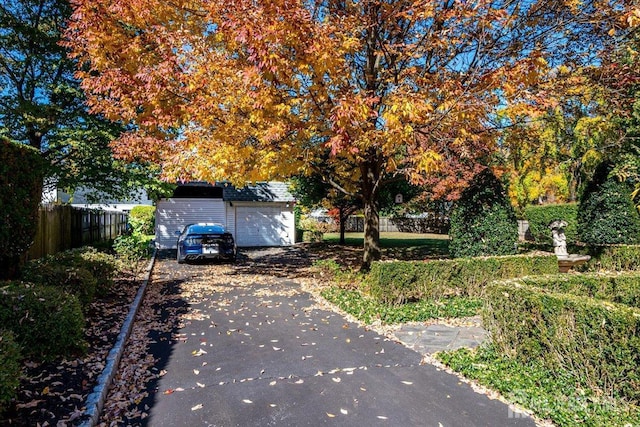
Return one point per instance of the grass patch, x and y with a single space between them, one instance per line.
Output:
397 245
562 397
368 310
393 239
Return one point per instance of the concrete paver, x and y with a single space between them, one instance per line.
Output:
262 354
437 337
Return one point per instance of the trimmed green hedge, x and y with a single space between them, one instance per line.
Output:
83 272
397 282
101 265
47 321
621 288
614 258
540 216
21 174
76 281
597 341
10 368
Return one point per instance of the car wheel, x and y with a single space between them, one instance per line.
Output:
180 260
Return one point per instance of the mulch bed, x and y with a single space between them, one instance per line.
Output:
53 393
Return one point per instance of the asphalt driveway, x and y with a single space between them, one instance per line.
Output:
253 349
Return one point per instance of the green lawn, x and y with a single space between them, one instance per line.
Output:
400 245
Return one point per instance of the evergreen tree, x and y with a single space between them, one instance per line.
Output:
483 221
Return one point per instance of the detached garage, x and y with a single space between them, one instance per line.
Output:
257 215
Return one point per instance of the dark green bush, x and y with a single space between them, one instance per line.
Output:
77 281
597 341
103 266
143 219
47 321
21 174
606 213
10 367
614 258
483 222
540 216
621 288
397 282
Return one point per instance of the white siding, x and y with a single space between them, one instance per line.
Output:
173 214
264 224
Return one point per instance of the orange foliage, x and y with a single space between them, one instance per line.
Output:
259 89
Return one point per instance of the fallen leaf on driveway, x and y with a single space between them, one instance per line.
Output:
198 406
246 401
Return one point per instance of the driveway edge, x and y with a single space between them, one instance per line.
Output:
95 401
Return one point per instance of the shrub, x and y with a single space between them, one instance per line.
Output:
621 288
540 216
21 174
102 266
483 221
614 258
606 213
143 219
10 367
47 321
596 341
131 249
397 282
77 281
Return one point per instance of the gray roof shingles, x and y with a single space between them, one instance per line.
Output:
258 192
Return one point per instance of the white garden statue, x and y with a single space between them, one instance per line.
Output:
559 239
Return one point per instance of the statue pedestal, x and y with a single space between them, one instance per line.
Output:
567 262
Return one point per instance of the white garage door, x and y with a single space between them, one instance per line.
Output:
173 214
263 226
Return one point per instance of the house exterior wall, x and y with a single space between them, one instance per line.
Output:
173 214
81 199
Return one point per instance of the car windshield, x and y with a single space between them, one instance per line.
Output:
206 229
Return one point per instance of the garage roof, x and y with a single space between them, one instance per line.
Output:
272 191
259 192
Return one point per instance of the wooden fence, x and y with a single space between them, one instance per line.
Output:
62 227
436 224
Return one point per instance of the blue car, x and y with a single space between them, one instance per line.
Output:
205 241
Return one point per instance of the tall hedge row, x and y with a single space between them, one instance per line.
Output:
21 176
540 216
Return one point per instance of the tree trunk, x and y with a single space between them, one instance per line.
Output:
371 174
342 218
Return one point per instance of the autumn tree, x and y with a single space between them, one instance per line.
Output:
251 90
42 104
